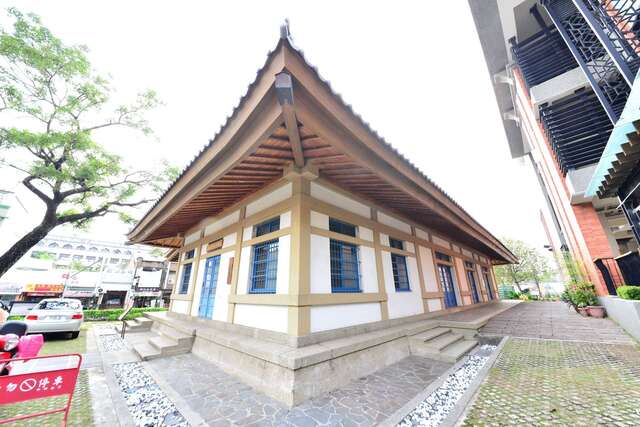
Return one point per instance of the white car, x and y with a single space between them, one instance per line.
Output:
55 315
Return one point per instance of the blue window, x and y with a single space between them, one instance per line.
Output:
395 243
344 267
487 281
443 257
400 276
189 254
342 227
265 267
471 277
186 277
267 227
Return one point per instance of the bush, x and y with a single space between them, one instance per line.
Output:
113 313
629 292
580 294
511 294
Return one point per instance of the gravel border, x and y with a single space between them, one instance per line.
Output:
463 401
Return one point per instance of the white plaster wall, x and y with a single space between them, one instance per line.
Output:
326 317
336 199
320 268
384 239
368 272
223 222
192 237
434 305
273 198
409 247
270 317
284 259
393 222
422 234
243 271
365 233
428 269
438 241
221 304
319 220
463 275
229 240
285 220
402 304
467 253
181 307
247 233
456 248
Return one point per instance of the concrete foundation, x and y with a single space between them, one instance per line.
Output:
626 313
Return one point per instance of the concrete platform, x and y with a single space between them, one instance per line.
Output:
295 369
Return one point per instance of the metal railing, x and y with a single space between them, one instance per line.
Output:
542 56
578 129
610 273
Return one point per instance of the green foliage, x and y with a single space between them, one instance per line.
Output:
112 314
580 294
54 103
532 266
44 255
629 292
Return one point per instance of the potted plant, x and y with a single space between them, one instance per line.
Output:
584 297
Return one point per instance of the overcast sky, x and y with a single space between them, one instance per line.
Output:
415 74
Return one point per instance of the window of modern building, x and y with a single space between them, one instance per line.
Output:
345 268
186 277
105 250
67 246
114 261
77 257
64 256
91 259
116 251
93 249
127 253
264 267
81 248
399 267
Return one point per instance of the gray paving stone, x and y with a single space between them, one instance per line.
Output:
223 400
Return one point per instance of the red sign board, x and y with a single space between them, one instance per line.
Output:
36 385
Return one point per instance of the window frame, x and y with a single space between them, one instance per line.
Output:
342 227
355 250
397 262
265 227
270 276
187 270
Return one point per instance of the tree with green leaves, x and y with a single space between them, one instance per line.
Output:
51 88
531 267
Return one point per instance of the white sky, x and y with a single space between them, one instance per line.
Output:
418 78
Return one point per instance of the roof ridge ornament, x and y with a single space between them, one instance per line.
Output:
285 33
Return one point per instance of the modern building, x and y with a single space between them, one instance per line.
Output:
562 72
298 224
100 274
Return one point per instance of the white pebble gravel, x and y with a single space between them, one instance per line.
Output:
148 404
435 408
112 342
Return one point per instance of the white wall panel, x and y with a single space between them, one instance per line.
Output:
181 307
270 317
319 220
223 222
243 272
368 273
365 233
326 317
434 305
273 198
428 269
393 222
336 199
402 304
320 269
284 259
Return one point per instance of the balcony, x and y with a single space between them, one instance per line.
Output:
542 56
577 128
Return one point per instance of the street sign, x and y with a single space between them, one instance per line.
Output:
36 385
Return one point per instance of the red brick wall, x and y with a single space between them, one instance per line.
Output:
594 236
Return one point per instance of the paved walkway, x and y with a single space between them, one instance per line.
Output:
223 400
543 382
554 320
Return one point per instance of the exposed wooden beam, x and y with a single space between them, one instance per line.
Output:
291 123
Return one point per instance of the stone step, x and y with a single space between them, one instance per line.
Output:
132 324
181 338
143 321
442 341
430 334
456 351
146 351
163 343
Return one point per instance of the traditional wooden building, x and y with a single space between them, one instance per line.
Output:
298 224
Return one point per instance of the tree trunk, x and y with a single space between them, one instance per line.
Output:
29 240
518 286
539 290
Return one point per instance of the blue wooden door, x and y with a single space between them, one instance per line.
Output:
474 286
446 279
209 284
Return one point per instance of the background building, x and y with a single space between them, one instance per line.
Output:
562 72
100 274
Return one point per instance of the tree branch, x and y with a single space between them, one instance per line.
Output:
27 183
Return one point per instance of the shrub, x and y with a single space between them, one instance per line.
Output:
113 313
580 294
629 292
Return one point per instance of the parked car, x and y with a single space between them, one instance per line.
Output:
56 315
